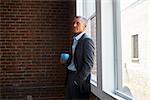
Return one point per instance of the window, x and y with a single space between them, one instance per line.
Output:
123 45
133 78
86 8
134 47
92 24
99 13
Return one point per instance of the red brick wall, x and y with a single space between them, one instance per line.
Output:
32 35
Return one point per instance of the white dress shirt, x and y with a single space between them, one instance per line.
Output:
75 42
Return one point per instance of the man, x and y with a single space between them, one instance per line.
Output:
81 61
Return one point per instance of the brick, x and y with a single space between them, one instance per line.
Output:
32 35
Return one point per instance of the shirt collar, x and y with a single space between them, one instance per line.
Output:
77 37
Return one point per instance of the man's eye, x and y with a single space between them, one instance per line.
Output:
78 23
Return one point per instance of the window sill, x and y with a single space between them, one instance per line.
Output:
93 83
93 80
136 60
114 95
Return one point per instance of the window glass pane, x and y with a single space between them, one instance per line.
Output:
89 8
93 35
135 47
86 8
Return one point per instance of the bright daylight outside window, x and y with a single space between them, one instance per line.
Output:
89 13
93 35
135 48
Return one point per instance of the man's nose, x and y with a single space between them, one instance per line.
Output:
74 25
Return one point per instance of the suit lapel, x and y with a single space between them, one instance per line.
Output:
80 40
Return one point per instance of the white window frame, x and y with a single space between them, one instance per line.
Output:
105 50
118 54
108 50
107 23
117 51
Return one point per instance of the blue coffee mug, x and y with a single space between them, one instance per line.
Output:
64 57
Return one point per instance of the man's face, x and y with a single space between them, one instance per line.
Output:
78 25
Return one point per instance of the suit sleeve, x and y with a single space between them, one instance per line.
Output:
88 60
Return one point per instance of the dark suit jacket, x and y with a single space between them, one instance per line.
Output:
84 60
